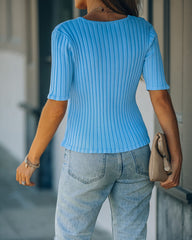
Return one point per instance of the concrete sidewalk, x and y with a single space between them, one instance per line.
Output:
27 213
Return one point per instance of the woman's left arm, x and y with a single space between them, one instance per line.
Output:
51 116
163 107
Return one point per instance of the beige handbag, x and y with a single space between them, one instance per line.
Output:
159 162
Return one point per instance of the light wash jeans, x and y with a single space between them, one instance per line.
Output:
87 179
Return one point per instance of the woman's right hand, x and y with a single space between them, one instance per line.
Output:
174 178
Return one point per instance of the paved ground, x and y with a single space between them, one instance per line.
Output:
26 213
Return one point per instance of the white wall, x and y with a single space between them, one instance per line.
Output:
12 92
104 217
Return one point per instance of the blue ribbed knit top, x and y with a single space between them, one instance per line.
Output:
97 66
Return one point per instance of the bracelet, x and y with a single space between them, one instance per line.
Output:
30 164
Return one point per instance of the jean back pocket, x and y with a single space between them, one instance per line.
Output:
86 167
141 158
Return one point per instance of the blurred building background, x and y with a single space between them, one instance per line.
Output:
25 65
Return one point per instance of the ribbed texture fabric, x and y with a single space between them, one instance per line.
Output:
96 66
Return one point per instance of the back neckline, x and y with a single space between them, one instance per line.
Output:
105 22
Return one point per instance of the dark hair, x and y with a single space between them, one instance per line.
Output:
127 7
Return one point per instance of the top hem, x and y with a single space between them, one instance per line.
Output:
158 88
106 150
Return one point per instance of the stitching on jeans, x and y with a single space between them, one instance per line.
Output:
141 173
112 214
87 181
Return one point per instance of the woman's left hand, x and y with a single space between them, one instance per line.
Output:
173 179
24 174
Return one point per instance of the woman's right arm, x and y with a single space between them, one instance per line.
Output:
164 110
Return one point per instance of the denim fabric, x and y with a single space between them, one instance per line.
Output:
87 179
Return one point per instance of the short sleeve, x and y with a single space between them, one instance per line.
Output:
153 70
62 66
